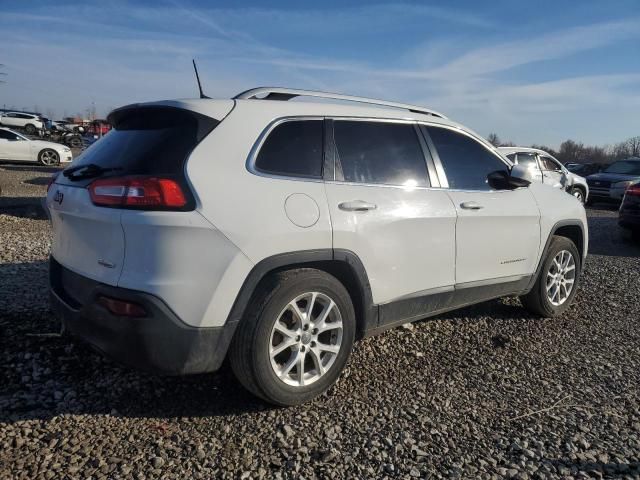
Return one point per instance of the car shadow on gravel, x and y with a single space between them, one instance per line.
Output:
23 207
48 374
44 374
28 167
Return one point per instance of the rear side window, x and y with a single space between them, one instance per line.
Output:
466 161
380 153
148 141
293 149
527 159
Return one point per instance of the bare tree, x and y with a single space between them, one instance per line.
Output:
633 146
493 139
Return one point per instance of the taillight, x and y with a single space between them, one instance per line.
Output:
634 190
51 181
147 193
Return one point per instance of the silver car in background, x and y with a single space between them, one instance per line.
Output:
545 168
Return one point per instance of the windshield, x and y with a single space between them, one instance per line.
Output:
625 167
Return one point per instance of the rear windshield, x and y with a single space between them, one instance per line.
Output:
147 141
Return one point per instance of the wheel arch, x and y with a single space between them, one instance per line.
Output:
345 265
571 229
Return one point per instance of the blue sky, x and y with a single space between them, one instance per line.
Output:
534 72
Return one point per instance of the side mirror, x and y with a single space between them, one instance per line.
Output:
520 176
502 180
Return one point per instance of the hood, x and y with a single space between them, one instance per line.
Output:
45 144
611 177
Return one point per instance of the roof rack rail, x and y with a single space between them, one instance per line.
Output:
279 93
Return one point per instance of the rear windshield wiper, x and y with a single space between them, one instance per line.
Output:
89 170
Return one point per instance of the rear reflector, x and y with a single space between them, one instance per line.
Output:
122 308
147 193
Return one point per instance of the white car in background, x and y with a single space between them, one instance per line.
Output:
16 147
548 170
30 122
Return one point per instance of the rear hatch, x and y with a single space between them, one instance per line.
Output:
147 143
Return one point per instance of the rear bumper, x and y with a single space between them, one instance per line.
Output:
159 342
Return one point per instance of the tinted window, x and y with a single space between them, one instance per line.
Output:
466 161
512 157
9 135
527 159
549 164
381 153
293 148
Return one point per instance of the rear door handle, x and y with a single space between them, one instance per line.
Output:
357 206
471 205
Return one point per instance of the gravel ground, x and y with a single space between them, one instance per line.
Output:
485 392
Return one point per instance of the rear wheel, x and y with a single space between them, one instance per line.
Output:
296 338
578 193
557 281
48 157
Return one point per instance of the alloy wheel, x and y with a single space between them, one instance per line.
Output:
49 157
561 277
306 339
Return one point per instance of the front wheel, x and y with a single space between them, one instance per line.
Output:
578 193
557 281
48 157
296 337
30 129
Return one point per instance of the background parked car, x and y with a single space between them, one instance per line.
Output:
547 169
30 122
629 216
611 184
16 147
67 126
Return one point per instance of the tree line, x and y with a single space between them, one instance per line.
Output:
571 151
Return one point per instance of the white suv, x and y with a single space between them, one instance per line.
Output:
30 122
277 232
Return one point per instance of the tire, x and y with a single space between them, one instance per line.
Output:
538 301
30 129
253 358
75 142
48 157
578 193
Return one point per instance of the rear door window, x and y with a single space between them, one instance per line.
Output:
293 149
380 153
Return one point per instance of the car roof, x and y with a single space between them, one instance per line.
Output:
509 150
325 106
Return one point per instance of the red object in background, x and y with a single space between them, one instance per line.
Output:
634 190
98 127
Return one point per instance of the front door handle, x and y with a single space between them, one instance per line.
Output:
357 206
471 205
